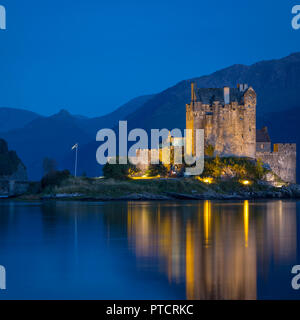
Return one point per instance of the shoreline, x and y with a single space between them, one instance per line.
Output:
168 196
86 189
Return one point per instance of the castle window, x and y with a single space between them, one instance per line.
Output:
262 146
241 119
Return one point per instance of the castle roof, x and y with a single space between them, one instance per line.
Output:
262 135
209 95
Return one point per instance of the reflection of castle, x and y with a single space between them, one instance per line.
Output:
228 117
213 248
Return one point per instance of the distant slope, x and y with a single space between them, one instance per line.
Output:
93 125
45 137
276 83
11 119
87 152
55 135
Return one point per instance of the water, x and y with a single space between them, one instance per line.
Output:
149 250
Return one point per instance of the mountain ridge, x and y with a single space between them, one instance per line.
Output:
53 136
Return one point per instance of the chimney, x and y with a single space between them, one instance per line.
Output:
226 95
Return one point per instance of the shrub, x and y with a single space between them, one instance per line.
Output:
239 168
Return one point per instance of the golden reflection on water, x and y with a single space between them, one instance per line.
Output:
246 221
213 248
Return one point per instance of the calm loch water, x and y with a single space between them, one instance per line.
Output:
149 250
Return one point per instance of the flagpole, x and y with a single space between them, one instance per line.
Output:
76 161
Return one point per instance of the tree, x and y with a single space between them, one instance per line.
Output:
49 165
259 168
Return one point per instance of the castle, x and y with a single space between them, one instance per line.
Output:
228 117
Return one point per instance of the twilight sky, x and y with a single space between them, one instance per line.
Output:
91 56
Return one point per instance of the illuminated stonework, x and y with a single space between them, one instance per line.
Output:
228 117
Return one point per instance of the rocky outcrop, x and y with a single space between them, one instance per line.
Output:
13 174
11 167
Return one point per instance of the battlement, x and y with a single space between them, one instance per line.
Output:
285 148
223 96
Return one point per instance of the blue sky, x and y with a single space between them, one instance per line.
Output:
91 56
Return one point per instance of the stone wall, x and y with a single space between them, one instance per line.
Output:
282 161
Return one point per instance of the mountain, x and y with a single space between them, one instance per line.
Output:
45 137
87 152
54 136
11 119
275 81
93 125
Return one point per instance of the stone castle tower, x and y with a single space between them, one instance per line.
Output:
228 117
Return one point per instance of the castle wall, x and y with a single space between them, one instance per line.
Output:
282 161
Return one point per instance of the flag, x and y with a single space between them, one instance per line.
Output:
75 146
